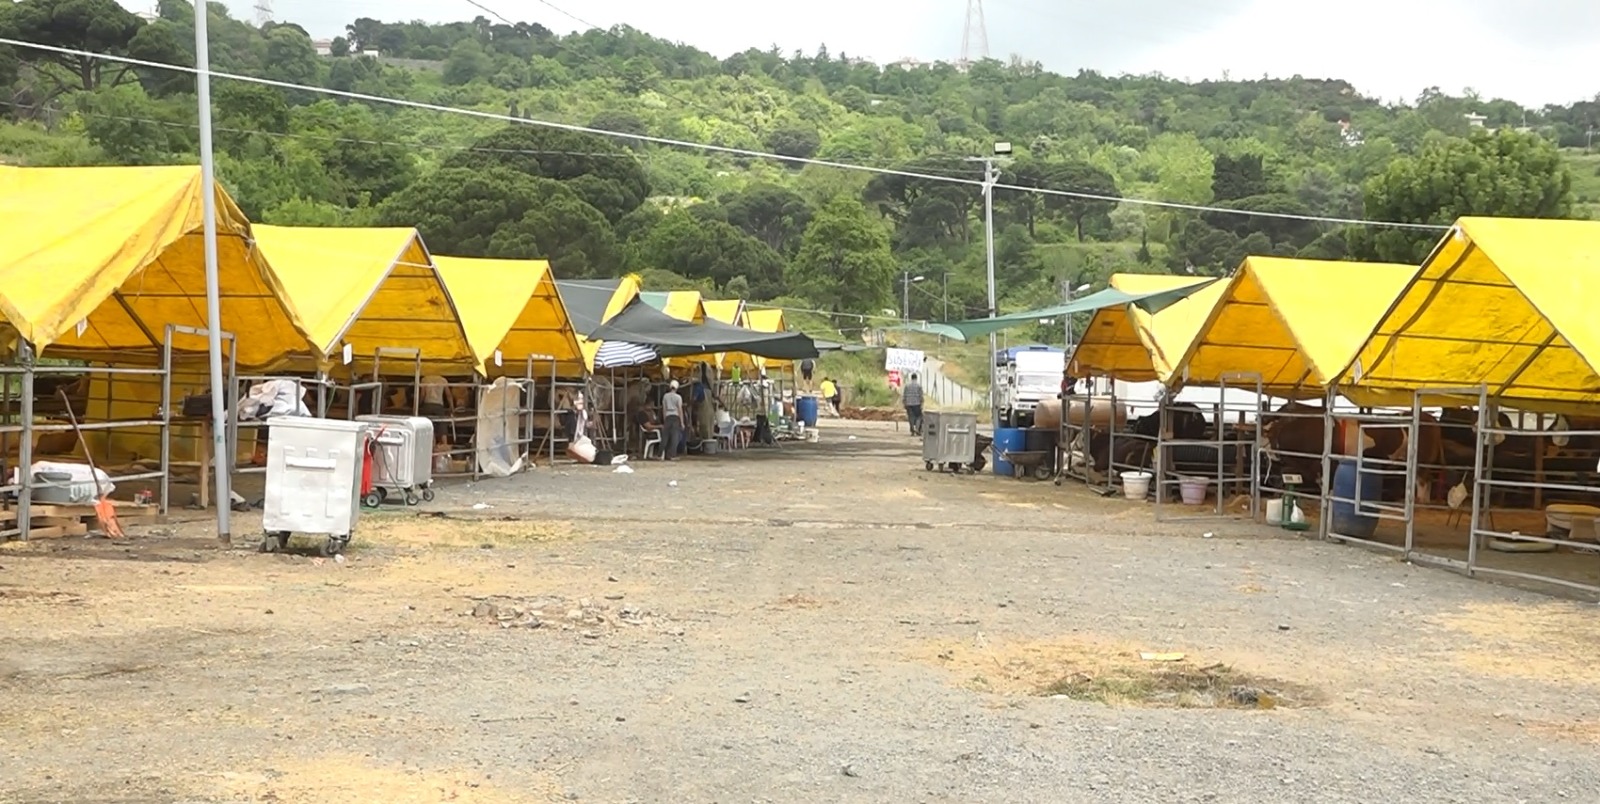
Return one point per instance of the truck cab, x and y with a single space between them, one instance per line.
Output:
1026 376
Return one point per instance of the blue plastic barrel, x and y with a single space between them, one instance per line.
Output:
1012 439
805 408
1351 519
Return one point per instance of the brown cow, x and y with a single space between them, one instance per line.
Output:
1304 433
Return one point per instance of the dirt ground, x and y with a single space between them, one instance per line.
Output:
822 622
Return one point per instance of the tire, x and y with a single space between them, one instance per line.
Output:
269 544
412 498
427 495
373 499
927 466
1042 472
334 545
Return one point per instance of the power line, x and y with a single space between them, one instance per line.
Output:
723 149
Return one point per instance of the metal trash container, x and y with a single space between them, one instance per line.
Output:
949 439
314 478
404 460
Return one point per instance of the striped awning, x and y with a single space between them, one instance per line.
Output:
619 354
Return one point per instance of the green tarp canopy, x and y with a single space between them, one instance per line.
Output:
643 325
586 301
1110 297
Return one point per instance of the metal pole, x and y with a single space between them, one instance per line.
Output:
905 299
1066 319
208 190
991 175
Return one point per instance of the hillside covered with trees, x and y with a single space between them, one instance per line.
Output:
735 224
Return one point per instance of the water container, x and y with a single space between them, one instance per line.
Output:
1008 439
1351 519
805 409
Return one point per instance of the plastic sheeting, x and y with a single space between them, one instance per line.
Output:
499 454
731 311
592 302
643 325
767 320
512 307
1128 343
1295 323
368 288
1502 302
96 262
684 305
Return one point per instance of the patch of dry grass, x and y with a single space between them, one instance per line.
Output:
443 532
1549 642
1109 673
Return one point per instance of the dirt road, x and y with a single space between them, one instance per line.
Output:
818 623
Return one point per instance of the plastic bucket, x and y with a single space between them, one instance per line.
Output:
805 409
1007 439
1136 485
1193 490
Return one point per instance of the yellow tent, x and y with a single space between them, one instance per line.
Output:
729 311
96 262
627 290
1295 323
1502 302
768 320
512 307
366 289
684 305
1129 344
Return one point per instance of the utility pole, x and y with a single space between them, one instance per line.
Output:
905 303
208 191
991 177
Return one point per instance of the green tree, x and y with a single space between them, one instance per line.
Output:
1506 174
467 63
777 216
290 56
96 26
609 178
844 261
458 210
709 249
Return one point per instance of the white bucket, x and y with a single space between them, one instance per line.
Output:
1193 489
1135 485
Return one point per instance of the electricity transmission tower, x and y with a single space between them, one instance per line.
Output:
974 37
263 12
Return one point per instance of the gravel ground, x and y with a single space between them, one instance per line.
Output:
818 623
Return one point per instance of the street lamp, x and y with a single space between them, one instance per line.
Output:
991 177
1067 292
905 308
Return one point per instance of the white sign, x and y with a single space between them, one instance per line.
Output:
903 360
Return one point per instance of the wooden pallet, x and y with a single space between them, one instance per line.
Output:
47 521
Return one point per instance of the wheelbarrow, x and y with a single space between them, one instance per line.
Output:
1039 464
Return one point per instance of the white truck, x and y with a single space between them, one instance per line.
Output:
1024 378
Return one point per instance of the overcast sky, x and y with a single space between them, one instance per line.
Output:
1532 51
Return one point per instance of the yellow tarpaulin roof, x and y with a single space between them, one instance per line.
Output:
1296 324
767 320
1505 302
729 311
684 305
1129 344
627 291
369 288
512 307
96 262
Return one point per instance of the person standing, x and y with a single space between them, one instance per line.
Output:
830 392
911 397
672 419
807 366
